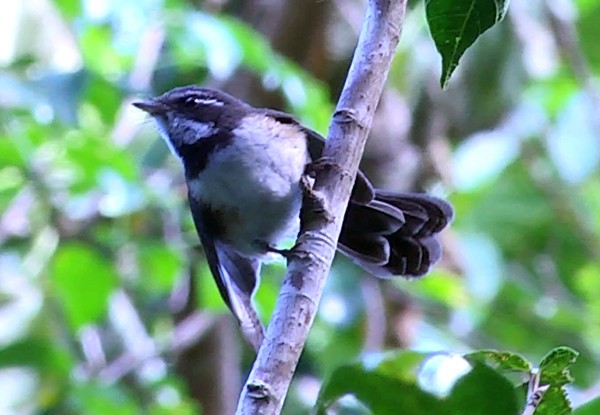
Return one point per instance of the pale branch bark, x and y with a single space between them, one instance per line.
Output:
269 380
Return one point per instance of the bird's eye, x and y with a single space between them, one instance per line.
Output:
190 101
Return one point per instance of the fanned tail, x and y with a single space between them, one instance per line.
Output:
395 233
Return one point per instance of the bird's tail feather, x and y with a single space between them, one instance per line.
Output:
396 233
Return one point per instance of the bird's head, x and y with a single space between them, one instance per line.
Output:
188 114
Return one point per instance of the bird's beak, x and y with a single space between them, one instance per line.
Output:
151 106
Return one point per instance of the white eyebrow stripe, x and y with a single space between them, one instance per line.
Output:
208 101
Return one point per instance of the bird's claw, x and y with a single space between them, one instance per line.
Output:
314 205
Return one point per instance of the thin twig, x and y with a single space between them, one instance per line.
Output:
267 385
535 392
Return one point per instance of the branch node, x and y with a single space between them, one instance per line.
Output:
259 391
346 115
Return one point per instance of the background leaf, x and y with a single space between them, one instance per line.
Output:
383 394
473 393
589 408
455 25
82 281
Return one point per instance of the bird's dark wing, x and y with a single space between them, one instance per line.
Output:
236 276
362 192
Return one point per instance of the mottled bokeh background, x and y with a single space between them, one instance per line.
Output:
106 303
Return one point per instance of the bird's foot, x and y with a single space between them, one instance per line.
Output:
314 205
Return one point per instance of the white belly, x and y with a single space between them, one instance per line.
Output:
254 184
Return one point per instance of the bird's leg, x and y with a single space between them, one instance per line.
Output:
267 248
283 252
313 212
314 206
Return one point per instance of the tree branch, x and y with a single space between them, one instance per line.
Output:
266 387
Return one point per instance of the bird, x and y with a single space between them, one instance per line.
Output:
246 168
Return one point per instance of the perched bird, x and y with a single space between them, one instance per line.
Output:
245 169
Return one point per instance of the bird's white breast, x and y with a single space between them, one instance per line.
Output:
254 183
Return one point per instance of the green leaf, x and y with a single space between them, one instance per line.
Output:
555 366
208 294
82 281
456 24
555 373
266 295
69 8
105 96
590 192
99 53
554 402
483 391
97 399
89 158
588 30
381 393
503 361
36 352
12 181
439 286
589 408
9 153
159 265
554 93
403 365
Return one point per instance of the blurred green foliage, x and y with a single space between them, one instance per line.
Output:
97 244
